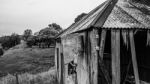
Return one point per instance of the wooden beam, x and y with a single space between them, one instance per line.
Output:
62 69
102 42
59 64
115 48
57 61
94 57
101 53
134 60
80 71
89 57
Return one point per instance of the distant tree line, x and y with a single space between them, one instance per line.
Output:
7 42
41 42
10 41
44 38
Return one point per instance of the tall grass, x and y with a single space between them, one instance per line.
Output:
48 77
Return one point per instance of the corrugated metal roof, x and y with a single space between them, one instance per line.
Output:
127 15
120 18
114 14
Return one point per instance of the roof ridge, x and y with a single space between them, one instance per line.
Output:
105 13
101 13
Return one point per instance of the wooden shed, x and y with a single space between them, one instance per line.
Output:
110 45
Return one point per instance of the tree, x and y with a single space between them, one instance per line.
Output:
79 17
51 31
31 41
43 38
46 36
27 33
15 38
10 41
47 32
56 27
1 50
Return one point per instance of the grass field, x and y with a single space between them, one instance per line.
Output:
48 77
32 66
33 60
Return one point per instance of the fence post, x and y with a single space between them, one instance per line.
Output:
17 81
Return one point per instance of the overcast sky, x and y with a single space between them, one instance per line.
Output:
18 15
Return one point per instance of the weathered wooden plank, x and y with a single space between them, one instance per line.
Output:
57 63
56 60
115 48
101 53
102 42
89 58
82 71
94 58
125 36
118 77
62 69
80 59
134 60
86 44
60 63
148 37
17 79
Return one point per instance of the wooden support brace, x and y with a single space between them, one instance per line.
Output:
134 60
115 49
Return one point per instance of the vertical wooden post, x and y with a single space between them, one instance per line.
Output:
57 62
62 69
89 57
94 57
134 60
61 64
80 71
102 43
17 80
115 48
